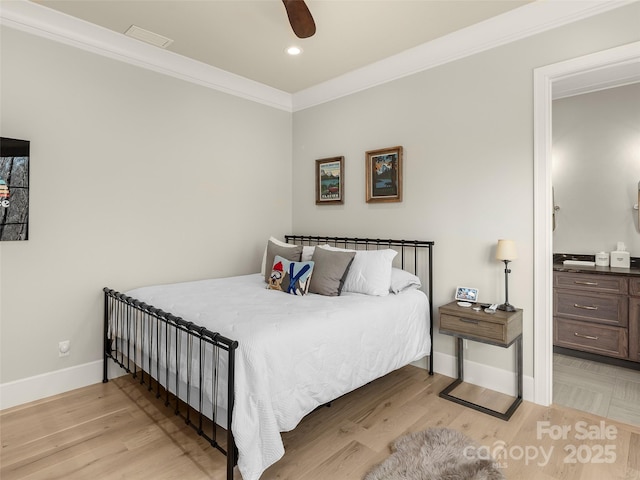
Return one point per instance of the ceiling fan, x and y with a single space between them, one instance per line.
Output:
300 18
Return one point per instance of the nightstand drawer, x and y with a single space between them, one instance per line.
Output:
589 337
591 307
472 327
634 287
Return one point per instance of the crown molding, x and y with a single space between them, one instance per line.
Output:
600 78
53 25
522 22
530 19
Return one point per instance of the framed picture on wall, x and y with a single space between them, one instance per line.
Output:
330 181
14 189
384 175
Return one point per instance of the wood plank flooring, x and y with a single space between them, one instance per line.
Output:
119 430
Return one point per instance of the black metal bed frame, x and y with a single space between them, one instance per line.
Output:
402 245
142 327
141 338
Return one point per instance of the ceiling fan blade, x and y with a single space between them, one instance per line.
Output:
300 18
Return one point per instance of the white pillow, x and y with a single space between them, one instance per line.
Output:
264 255
329 247
370 271
307 253
403 280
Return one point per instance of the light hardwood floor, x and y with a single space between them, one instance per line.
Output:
120 431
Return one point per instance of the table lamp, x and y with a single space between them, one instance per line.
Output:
506 252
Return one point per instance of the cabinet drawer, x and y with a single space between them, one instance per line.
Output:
591 282
589 337
634 287
591 307
634 329
473 328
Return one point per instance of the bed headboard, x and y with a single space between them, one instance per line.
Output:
416 256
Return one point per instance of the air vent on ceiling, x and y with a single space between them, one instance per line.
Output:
146 36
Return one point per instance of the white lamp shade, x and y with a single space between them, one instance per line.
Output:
506 250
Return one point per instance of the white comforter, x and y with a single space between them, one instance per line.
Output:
295 353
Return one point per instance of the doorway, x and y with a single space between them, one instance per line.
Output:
605 69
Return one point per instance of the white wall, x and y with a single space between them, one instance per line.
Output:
136 178
596 170
115 136
467 131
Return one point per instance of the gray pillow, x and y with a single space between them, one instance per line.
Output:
292 253
330 270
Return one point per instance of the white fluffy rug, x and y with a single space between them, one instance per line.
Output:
435 454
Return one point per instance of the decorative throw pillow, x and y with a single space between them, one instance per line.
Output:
285 250
264 269
402 280
290 277
330 271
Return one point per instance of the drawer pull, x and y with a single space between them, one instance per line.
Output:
466 320
581 282
588 337
586 307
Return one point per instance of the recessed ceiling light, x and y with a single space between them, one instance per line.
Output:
293 50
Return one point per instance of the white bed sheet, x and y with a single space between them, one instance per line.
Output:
295 353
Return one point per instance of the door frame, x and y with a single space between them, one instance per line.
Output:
577 69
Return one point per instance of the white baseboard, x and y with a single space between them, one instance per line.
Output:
53 383
493 378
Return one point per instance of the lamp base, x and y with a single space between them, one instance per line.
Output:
506 307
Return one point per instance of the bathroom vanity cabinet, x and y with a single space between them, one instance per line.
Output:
597 311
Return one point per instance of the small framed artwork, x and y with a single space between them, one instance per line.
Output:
384 175
466 294
330 181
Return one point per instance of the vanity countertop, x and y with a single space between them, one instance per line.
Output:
559 258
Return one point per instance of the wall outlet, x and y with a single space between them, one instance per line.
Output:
64 348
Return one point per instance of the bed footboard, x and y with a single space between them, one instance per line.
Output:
182 359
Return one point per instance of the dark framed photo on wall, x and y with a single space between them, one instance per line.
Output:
330 181
384 175
14 189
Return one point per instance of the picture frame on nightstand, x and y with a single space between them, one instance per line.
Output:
466 294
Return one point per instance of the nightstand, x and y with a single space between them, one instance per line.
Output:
501 329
